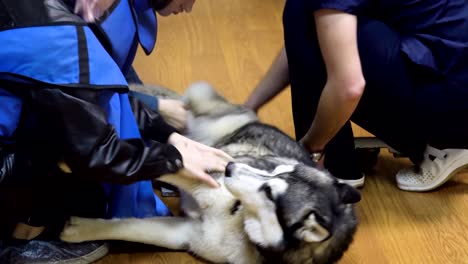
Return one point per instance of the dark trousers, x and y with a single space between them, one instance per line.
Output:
38 193
34 191
405 105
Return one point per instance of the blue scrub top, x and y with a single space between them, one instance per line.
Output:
433 32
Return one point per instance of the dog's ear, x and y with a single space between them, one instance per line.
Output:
311 231
348 194
264 229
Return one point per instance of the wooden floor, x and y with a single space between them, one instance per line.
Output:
230 43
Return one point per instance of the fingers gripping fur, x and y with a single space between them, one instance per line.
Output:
168 232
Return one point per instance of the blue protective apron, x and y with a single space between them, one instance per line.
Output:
70 55
124 27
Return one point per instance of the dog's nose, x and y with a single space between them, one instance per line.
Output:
229 168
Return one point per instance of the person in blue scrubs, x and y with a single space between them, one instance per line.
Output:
65 100
397 68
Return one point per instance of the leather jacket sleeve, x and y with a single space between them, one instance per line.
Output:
76 127
150 123
6 164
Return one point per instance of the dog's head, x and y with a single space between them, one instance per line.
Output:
298 210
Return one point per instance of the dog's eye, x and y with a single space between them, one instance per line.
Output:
267 190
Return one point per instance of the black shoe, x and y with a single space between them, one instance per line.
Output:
42 252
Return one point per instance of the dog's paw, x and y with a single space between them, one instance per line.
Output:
79 229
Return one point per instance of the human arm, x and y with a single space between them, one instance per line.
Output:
76 127
337 35
197 157
174 113
275 80
150 123
149 109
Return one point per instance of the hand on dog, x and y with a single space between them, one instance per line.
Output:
199 159
305 142
174 113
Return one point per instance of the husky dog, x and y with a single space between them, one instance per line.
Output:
273 206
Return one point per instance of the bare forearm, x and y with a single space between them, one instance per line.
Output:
333 112
337 35
275 80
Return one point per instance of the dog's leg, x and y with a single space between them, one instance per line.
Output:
167 232
186 184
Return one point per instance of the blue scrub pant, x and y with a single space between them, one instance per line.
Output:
405 105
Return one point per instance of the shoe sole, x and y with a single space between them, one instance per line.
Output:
94 256
435 184
358 183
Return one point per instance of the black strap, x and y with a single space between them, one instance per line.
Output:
83 55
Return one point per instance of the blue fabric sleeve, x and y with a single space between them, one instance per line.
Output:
349 6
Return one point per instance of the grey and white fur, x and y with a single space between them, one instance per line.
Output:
273 206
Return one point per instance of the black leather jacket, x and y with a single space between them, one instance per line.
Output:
70 124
